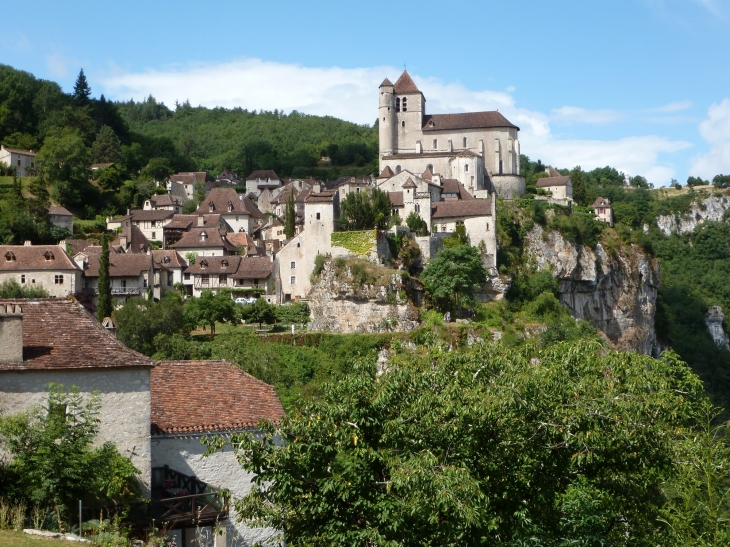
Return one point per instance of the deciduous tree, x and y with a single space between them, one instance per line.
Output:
453 274
104 306
211 308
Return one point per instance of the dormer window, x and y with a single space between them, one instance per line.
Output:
203 263
224 263
166 259
49 256
211 206
430 124
230 206
10 256
203 236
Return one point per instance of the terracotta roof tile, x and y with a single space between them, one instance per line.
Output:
136 241
386 173
254 268
396 199
34 257
601 202
465 120
208 396
460 208
61 334
168 258
386 82
453 186
140 214
214 265
263 174
405 84
552 181
193 239
120 264
409 183
189 177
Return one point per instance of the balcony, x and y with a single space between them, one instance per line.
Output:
116 291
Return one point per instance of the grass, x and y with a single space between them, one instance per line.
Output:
19 539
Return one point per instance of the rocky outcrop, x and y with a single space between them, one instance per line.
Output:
710 208
338 305
713 320
614 292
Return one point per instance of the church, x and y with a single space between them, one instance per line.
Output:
479 149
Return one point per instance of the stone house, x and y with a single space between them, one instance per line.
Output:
179 224
205 241
184 183
61 217
151 222
231 272
353 185
191 399
237 210
558 186
130 274
57 340
130 240
262 179
478 216
22 160
603 210
167 271
47 266
164 202
477 148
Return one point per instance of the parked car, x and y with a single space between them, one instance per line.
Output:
244 301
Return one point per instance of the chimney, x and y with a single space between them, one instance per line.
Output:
11 334
201 220
27 243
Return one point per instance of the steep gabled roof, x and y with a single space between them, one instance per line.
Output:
322 197
136 240
601 202
193 239
453 186
385 82
220 198
405 84
214 265
386 173
189 177
208 396
409 183
168 258
465 120
59 210
60 334
263 174
396 199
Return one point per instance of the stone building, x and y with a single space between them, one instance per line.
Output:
46 266
45 341
183 184
151 222
231 272
130 274
603 210
262 179
205 241
164 202
191 399
61 217
558 186
237 210
22 160
480 149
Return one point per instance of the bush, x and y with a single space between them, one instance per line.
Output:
13 289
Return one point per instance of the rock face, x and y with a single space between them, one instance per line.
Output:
338 306
615 293
710 208
713 320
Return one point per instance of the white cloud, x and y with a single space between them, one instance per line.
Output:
576 114
675 106
57 65
351 94
716 131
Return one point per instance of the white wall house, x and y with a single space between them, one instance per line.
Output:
23 161
46 266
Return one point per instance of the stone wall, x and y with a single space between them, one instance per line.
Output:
615 293
221 470
125 405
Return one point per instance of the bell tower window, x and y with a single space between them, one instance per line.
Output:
397 104
405 106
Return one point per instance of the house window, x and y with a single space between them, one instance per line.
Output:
205 279
152 223
22 278
397 169
318 216
222 279
293 280
417 208
144 282
154 235
403 123
435 144
124 283
443 227
466 168
487 226
397 104
58 279
293 265
464 142
405 106
187 277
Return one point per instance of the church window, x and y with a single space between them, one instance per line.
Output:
464 142
318 216
466 168
403 123
405 106
435 144
397 104
417 208
397 169
383 118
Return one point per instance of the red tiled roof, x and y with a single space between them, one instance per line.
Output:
465 120
259 267
208 396
396 199
61 334
34 257
552 181
405 84
601 202
385 82
120 264
386 173
461 208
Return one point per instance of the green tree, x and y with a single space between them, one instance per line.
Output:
260 312
290 216
453 274
82 91
476 447
106 147
457 238
53 462
13 289
158 169
64 162
579 186
140 321
211 308
365 210
104 306
416 224
112 177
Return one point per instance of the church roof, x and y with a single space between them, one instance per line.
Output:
465 120
427 174
386 82
405 84
386 173
409 183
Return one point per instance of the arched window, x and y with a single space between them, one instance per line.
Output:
403 123
464 142
430 167
405 106
397 169
397 104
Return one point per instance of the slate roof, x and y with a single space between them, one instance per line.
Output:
460 208
208 396
409 183
466 120
59 210
34 257
60 334
386 82
552 181
120 264
405 84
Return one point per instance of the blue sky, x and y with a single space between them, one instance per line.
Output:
641 85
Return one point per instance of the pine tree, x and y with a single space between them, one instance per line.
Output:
82 91
289 227
579 187
104 307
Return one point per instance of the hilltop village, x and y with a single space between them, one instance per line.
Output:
447 169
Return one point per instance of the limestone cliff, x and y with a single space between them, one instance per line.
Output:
709 208
614 292
339 302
